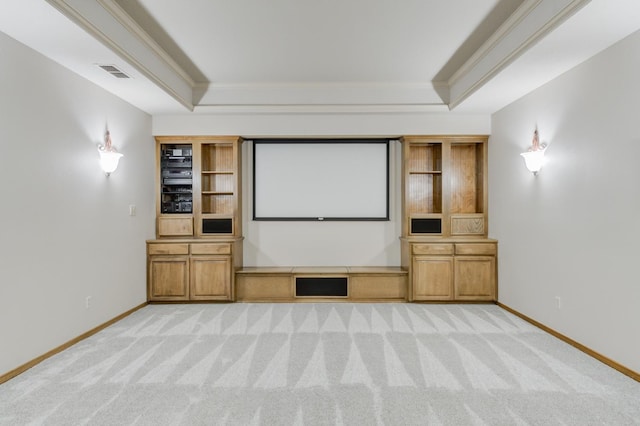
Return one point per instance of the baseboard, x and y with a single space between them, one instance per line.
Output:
17 371
611 363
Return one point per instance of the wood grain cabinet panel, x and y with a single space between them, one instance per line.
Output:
363 287
211 248
487 249
211 278
475 277
432 278
264 287
168 278
155 249
175 226
438 249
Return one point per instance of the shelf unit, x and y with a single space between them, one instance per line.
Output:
444 219
444 186
199 186
219 187
424 186
198 229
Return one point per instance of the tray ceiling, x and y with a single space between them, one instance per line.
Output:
197 56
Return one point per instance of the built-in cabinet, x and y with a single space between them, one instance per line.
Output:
444 219
446 255
199 186
451 270
184 270
444 186
198 219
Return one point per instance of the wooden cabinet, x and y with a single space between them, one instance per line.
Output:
444 186
196 270
451 270
198 181
199 219
211 278
168 278
444 219
432 277
474 277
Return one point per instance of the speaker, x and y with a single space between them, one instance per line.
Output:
426 226
321 286
217 226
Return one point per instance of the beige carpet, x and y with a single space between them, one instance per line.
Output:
321 364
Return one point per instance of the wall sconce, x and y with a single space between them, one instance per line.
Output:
534 157
109 157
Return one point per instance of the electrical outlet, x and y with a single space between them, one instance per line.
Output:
558 302
87 302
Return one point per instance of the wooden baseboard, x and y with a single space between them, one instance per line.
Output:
611 363
17 371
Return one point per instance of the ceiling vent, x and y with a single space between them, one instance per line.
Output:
111 69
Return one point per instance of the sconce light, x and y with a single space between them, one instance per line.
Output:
109 157
534 157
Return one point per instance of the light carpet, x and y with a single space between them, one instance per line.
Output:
321 364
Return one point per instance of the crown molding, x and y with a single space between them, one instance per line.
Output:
325 109
528 24
317 94
111 25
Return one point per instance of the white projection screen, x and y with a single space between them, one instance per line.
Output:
321 179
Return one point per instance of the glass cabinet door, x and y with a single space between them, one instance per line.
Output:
176 179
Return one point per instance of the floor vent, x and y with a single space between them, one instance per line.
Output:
111 69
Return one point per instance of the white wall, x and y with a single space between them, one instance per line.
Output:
322 243
66 233
573 231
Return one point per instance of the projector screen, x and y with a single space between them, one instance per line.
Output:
321 179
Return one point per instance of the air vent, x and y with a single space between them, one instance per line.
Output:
114 71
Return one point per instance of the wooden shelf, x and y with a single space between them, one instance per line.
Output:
444 244
445 175
214 168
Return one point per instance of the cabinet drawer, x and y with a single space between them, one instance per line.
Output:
443 249
168 249
218 248
487 249
175 226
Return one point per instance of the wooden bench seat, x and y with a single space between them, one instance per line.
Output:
364 284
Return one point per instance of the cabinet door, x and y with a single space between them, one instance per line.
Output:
475 277
211 278
432 278
168 278
176 178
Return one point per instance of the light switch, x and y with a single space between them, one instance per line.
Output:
132 209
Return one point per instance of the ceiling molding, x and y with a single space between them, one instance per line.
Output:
316 94
529 23
297 109
111 25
